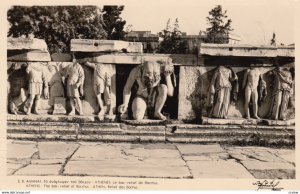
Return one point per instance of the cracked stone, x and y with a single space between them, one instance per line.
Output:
218 169
12 167
254 154
154 146
257 165
129 168
153 153
21 150
274 174
288 155
207 157
57 150
98 152
39 170
196 149
48 161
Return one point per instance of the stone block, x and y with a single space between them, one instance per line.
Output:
34 55
259 165
274 174
26 44
60 106
218 169
21 150
40 170
87 45
237 50
194 149
56 150
126 168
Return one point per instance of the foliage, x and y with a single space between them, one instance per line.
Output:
113 23
173 42
57 25
219 26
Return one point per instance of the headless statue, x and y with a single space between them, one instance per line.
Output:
224 80
252 80
150 89
282 91
37 80
75 78
102 86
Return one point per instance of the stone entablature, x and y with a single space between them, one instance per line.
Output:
246 50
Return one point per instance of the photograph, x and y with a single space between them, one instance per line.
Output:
150 91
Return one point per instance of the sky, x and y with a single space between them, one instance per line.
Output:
254 21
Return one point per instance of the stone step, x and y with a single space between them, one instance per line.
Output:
121 132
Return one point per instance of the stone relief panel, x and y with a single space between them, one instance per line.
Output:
270 91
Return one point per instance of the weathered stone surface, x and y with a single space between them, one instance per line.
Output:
229 121
136 58
48 161
21 150
194 149
26 43
54 118
207 157
11 168
121 159
286 51
144 122
218 169
238 50
254 154
39 170
279 122
288 155
127 168
274 174
259 165
97 152
158 153
56 150
34 55
154 146
87 45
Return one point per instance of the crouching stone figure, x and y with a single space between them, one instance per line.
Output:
154 85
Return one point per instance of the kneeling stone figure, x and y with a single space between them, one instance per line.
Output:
151 89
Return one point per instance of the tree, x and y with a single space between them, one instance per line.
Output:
273 40
113 23
219 26
57 25
173 42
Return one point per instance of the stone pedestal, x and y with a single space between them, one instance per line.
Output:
60 106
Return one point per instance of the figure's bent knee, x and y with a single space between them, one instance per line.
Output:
162 89
138 108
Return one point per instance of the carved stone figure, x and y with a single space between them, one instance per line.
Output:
18 82
282 91
37 80
253 82
102 86
223 82
154 86
56 86
74 75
